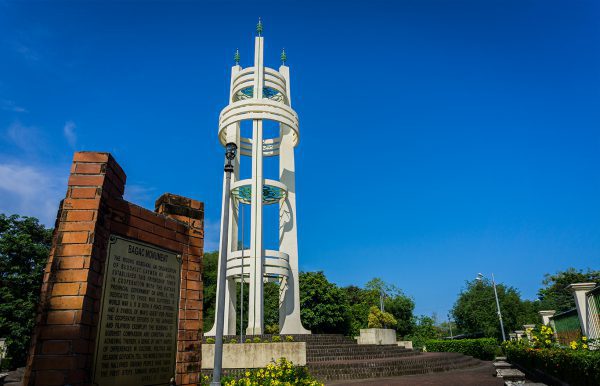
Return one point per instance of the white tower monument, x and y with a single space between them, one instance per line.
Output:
259 94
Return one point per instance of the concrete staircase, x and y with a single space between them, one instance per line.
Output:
337 357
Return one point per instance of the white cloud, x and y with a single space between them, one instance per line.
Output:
27 138
31 191
69 132
26 51
11 106
141 195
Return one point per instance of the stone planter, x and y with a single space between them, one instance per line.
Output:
254 355
377 336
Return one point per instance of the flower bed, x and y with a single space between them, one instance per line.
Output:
282 372
581 368
484 348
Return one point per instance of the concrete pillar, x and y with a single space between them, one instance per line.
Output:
546 315
579 290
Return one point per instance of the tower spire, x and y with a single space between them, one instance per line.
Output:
236 57
259 27
283 57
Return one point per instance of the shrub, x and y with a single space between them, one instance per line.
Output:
541 337
575 367
232 340
248 340
271 329
484 348
210 340
282 372
276 338
289 338
378 319
256 340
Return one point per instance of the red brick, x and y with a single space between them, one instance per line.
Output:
65 289
81 346
83 192
60 317
60 332
72 275
191 314
56 347
80 215
81 203
151 238
152 217
193 266
49 378
123 230
84 180
76 376
77 226
90 156
55 363
74 250
196 242
164 232
72 262
74 237
88 168
193 275
66 302
141 223
193 285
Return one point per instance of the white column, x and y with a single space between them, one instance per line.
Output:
289 308
546 315
255 297
579 290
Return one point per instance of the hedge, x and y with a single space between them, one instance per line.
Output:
578 368
484 348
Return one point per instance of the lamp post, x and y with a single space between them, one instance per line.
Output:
450 325
479 278
230 151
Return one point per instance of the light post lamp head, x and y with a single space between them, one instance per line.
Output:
479 277
230 151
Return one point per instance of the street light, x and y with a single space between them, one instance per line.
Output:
230 151
480 278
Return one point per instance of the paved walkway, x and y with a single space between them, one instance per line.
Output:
475 376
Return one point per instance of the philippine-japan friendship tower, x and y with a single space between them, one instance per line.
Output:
261 95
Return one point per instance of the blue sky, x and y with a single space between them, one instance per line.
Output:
439 139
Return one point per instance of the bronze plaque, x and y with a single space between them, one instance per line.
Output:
137 333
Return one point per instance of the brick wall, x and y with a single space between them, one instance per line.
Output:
64 337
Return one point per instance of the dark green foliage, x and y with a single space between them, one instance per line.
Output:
209 277
24 247
271 293
580 368
484 348
423 329
475 309
395 302
556 296
323 305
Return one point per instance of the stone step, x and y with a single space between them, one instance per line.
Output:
387 368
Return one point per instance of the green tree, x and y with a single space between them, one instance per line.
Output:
424 328
24 248
209 278
475 309
323 305
556 296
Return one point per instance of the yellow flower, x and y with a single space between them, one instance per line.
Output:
584 338
585 346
